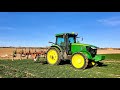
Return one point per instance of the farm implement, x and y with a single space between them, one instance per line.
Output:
29 54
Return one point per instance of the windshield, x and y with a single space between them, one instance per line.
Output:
60 41
71 40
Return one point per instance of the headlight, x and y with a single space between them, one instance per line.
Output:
93 47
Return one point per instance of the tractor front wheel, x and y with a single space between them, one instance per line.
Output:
79 61
53 56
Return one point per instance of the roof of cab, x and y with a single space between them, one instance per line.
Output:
60 34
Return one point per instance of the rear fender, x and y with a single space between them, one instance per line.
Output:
58 47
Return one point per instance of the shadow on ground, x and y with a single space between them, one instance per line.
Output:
64 62
41 62
100 64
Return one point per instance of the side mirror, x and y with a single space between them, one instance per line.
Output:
51 42
82 39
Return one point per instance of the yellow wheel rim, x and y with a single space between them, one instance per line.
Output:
78 61
93 63
52 56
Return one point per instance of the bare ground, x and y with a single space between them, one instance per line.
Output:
108 52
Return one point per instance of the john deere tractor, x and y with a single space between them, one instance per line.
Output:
67 48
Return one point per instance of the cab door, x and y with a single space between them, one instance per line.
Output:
71 39
61 42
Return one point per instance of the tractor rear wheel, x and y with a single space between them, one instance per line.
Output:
53 56
79 61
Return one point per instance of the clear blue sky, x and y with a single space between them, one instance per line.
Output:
37 28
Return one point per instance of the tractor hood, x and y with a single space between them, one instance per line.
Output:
81 47
82 44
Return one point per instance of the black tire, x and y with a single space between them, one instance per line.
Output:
48 56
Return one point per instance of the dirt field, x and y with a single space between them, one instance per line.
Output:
108 51
6 53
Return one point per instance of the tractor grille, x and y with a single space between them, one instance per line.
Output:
92 51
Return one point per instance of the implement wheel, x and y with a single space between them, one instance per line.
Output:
53 56
92 63
79 61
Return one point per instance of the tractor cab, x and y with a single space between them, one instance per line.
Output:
64 40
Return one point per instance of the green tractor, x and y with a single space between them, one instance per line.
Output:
67 48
